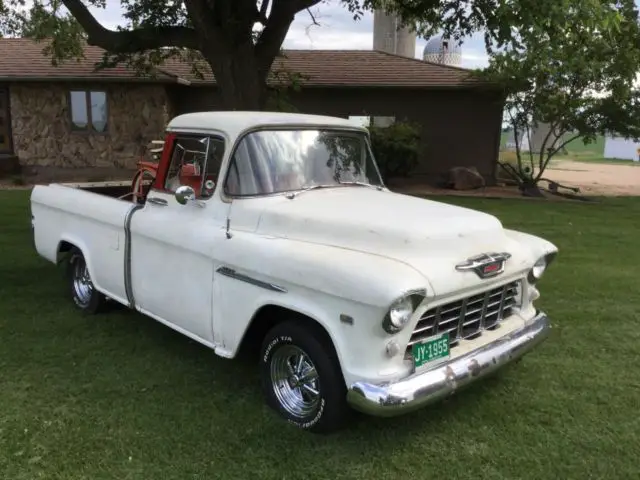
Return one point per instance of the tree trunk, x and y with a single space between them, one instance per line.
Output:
531 189
240 84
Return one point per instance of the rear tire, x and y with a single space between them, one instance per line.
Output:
301 378
83 292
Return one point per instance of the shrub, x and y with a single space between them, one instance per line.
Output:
396 148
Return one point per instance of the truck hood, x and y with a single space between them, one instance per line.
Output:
429 236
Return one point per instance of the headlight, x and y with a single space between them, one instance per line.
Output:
400 312
539 268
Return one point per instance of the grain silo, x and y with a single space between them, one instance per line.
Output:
389 35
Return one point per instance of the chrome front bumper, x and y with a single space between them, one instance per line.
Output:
420 389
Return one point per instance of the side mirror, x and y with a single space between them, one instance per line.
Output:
185 193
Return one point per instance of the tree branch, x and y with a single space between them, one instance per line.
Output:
543 147
130 41
562 145
201 16
276 29
262 13
274 33
516 132
537 179
528 133
313 18
300 5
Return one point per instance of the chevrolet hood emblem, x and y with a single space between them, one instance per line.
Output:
485 265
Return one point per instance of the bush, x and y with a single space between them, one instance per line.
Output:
396 148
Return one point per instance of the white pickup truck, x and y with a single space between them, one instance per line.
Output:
275 231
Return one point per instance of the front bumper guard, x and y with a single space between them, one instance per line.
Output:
424 388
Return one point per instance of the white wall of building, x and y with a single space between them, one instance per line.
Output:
621 148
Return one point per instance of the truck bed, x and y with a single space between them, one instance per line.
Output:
113 189
91 217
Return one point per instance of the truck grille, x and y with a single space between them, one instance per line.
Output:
468 317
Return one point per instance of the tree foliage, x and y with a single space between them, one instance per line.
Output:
574 72
396 148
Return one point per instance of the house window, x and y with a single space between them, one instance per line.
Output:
361 120
382 121
373 120
88 110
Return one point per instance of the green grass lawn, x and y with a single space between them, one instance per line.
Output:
119 396
574 146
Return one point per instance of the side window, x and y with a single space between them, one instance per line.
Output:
196 162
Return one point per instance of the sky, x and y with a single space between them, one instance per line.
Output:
337 31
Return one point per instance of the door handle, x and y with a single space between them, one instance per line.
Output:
158 201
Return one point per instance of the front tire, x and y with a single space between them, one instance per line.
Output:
301 378
83 292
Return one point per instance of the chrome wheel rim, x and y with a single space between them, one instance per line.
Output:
295 381
82 286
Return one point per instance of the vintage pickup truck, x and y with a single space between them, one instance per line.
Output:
275 232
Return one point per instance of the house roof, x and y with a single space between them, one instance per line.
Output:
23 60
351 68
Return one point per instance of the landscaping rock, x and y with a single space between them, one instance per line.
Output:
465 178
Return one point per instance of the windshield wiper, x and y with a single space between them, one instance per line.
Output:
362 184
291 195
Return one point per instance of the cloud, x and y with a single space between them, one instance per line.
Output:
335 30
111 16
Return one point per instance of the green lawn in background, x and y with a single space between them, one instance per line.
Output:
120 396
576 151
577 145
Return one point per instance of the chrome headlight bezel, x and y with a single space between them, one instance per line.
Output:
401 310
538 269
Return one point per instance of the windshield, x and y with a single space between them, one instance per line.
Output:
274 161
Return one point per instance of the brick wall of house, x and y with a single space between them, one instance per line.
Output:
43 135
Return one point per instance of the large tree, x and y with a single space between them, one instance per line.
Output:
573 75
239 39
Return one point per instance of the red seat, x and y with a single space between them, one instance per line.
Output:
190 175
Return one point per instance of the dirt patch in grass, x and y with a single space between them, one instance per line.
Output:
411 187
597 178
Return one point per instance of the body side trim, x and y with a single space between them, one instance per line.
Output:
230 272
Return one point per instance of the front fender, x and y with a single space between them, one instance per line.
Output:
361 277
322 283
538 246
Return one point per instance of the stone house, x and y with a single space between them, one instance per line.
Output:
72 115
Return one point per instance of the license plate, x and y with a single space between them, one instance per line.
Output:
433 349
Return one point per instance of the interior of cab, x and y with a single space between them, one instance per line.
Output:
195 162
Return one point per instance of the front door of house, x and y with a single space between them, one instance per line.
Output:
5 122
